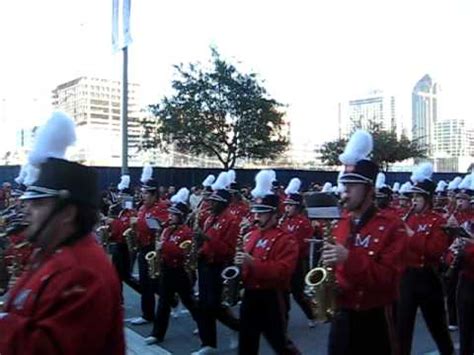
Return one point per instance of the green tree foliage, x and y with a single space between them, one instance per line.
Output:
388 148
217 112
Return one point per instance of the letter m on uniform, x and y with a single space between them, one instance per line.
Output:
362 241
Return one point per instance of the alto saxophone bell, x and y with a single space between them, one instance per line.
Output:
316 277
230 272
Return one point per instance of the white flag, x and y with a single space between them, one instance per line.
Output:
121 36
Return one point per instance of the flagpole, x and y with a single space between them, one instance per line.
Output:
124 112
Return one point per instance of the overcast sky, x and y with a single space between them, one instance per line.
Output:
311 54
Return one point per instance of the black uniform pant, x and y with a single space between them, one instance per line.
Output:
148 286
210 307
421 287
264 312
172 281
297 288
465 298
451 284
368 332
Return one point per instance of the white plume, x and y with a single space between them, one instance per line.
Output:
333 189
273 175
147 173
340 188
52 139
453 184
422 172
441 186
221 182
326 187
231 176
181 196
124 183
380 181
21 176
293 187
405 187
465 183
209 180
32 174
263 183
396 187
359 147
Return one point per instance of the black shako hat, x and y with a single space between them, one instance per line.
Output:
66 180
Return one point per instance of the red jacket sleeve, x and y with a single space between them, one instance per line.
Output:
69 319
382 271
278 269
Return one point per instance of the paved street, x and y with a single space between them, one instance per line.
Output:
179 339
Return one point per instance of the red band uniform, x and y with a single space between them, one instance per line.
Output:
221 229
421 285
173 278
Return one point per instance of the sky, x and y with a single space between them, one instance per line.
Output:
310 54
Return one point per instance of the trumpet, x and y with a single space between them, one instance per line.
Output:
320 285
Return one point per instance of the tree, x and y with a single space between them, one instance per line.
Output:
388 148
218 112
330 151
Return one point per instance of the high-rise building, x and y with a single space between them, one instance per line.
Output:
454 145
425 113
375 107
451 137
95 105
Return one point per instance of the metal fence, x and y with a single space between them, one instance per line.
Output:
180 177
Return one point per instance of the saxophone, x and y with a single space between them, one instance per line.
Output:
131 240
232 274
320 285
191 262
153 258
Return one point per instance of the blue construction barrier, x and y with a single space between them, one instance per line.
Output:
180 177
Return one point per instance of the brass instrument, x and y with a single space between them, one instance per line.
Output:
103 233
131 240
192 254
321 285
232 274
153 258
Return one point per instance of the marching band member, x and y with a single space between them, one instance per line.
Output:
152 209
452 189
367 258
68 299
237 206
295 223
383 195
421 285
268 262
440 199
119 221
464 217
173 276
218 239
203 210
